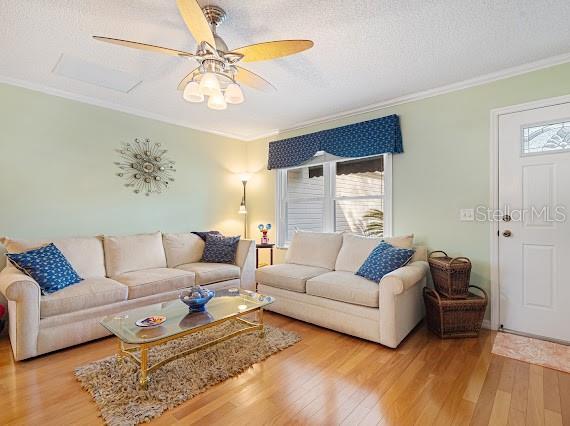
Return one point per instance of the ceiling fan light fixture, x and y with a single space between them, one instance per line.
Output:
217 75
209 84
217 101
234 94
192 92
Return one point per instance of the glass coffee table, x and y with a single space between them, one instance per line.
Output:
226 305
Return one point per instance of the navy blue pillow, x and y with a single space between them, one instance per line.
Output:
48 266
384 259
202 234
220 249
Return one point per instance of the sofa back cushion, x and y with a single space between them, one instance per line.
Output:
85 254
356 249
182 248
133 253
318 249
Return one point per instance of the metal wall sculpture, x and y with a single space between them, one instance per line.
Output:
145 168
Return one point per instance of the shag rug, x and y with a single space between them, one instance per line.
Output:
533 351
113 383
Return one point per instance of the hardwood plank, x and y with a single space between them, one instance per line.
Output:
516 417
488 391
479 375
535 403
551 390
552 418
520 387
501 408
564 389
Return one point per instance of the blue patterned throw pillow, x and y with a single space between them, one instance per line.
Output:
48 266
220 249
202 234
384 259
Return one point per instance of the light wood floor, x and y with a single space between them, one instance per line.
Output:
327 378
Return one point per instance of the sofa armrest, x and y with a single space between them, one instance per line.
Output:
401 302
23 295
405 277
245 259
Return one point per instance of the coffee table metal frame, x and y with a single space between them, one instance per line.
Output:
130 350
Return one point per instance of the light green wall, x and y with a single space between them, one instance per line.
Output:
444 167
57 176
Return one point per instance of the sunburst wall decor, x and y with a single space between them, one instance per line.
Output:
145 168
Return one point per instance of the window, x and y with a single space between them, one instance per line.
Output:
329 194
546 138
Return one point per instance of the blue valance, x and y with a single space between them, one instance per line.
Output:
373 137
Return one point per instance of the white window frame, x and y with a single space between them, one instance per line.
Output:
329 195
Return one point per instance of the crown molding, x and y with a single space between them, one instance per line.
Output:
477 81
454 87
112 106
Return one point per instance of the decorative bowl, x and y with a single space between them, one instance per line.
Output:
195 298
150 322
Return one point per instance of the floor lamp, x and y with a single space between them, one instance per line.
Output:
243 207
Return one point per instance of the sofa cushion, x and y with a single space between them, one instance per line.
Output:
344 287
152 281
288 276
182 248
354 251
207 273
85 254
401 241
319 249
89 293
133 253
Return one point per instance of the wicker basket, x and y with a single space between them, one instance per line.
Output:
450 275
453 318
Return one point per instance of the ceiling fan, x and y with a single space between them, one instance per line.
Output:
217 75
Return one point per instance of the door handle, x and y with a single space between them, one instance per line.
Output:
507 233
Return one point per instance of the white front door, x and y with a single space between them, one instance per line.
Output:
534 230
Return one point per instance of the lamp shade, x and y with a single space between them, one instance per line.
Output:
209 84
234 95
192 92
217 101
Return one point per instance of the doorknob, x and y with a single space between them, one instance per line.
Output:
507 233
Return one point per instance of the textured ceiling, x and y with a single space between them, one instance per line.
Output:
365 51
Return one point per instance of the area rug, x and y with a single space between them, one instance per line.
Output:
533 351
113 383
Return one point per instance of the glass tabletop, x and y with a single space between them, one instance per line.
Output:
225 304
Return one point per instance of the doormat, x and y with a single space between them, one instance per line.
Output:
533 351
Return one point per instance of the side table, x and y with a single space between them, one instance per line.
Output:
263 246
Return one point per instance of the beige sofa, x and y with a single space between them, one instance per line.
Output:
119 273
318 284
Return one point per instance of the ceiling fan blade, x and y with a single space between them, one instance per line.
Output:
189 77
273 49
143 46
195 21
253 80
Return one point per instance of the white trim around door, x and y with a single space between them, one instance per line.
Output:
494 192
